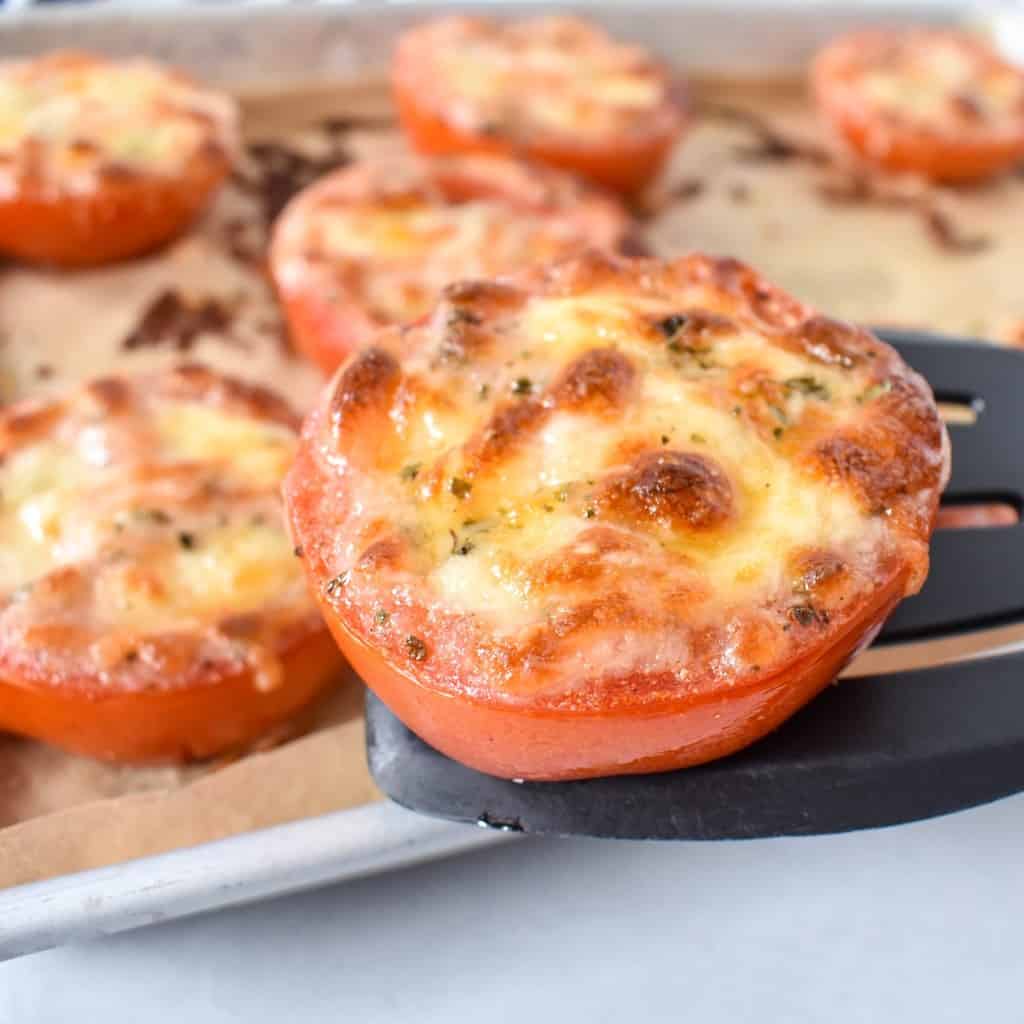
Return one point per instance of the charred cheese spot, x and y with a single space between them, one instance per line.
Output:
877 479
507 429
365 388
674 490
706 493
597 381
834 342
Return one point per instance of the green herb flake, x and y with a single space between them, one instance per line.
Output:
483 391
459 487
411 471
187 540
777 433
381 617
698 439
875 391
810 386
522 386
589 512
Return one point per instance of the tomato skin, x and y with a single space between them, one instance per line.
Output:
626 166
905 148
123 217
181 723
325 331
545 745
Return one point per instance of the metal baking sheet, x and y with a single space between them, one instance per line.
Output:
269 47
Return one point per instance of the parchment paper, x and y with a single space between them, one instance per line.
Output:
754 180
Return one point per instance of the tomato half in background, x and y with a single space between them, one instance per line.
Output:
374 243
937 103
151 604
104 160
556 90
642 514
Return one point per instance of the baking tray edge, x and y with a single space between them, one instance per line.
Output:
242 869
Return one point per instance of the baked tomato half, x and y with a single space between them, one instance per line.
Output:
650 511
152 606
937 103
554 89
374 243
104 160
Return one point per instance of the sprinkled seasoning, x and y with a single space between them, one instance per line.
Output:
810 386
459 487
415 648
336 583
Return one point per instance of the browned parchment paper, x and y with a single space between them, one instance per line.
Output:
754 180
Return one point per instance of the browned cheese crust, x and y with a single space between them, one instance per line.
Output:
616 482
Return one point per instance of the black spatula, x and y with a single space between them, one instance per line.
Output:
875 750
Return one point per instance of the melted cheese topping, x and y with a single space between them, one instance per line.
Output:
666 456
146 514
938 79
554 75
392 235
70 117
417 251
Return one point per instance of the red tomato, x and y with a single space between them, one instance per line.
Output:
613 517
103 160
555 90
937 103
152 607
374 243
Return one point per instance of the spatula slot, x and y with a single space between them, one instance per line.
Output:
981 512
963 412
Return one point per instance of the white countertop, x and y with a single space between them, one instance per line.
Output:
918 923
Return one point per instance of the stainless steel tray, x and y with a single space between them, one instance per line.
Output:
265 45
